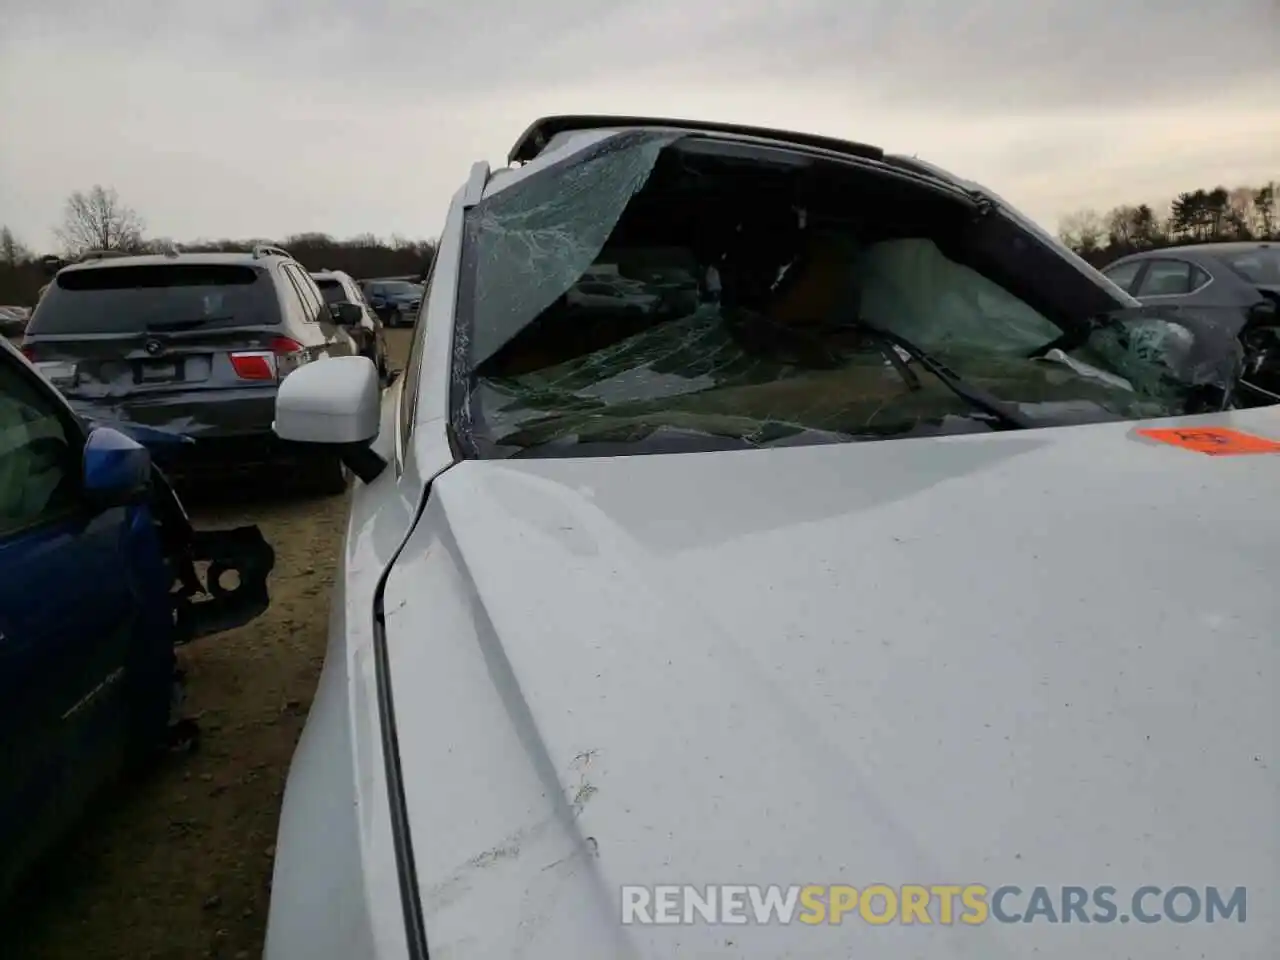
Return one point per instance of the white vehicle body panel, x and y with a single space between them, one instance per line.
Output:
335 886
335 890
1045 657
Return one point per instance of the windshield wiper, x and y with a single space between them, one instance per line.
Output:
660 438
1007 417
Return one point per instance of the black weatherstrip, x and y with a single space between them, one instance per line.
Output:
415 928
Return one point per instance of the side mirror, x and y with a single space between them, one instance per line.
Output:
346 313
51 264
335 402
116 470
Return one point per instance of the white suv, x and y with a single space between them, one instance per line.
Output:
339 287
636 604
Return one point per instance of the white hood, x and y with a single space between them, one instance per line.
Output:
1038 658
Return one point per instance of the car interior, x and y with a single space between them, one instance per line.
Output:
37 472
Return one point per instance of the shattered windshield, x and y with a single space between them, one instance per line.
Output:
640 299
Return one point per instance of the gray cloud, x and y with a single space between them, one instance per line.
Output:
981 54
152 94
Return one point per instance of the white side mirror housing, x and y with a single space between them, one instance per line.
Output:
333 401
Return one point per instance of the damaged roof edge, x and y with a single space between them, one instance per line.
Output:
561 144
541 131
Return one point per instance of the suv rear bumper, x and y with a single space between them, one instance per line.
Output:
230 429
199 414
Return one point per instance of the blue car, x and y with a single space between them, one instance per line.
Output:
98 585
395 300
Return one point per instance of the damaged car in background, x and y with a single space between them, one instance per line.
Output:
888 493
102 575
195 345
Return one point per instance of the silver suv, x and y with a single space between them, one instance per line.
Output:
337 288
193 344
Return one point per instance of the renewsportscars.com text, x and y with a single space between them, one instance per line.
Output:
969 904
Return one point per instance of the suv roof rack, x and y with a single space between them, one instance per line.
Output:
88 255
268 250
539 133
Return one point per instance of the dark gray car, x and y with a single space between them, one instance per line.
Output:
1235 274
396 300
193 344
1232 286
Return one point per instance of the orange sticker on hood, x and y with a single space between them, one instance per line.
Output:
1215 441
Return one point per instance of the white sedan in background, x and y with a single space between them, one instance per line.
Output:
908 569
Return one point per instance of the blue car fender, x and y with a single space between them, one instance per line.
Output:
205 604
202 604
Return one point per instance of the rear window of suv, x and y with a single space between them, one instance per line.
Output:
332 290
158 297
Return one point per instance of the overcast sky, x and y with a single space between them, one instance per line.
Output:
247 118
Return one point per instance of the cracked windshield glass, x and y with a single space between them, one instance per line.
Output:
662 292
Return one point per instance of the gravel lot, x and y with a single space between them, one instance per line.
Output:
179 865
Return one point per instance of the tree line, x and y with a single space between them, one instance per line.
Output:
1196 216
97 219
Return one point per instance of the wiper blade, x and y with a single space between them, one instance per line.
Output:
661 438
1006 416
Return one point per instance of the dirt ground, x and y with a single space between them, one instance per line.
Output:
178 866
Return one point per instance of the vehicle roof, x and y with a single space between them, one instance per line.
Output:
1205 249
159 259
540 133
561 136
330 274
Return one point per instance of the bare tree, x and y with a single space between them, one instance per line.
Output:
1264 206
98 220
1241 212
162 245
1083 230
12 253
1122 227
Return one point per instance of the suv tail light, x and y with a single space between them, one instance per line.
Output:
274 364
29 352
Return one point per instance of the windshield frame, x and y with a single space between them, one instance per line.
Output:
1017 249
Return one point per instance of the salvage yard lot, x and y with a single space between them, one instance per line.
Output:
178 866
